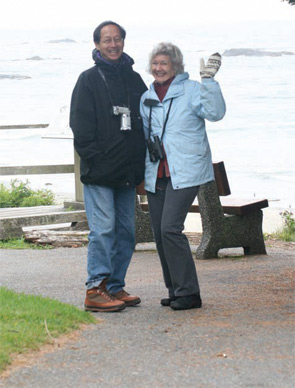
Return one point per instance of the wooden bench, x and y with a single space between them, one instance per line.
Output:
227 222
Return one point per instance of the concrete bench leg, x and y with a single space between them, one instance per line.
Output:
255 241
212 221
207 248
227 231
237 231
143 229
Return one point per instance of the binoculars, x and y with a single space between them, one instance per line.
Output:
155 149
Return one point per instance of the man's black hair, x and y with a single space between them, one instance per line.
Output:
96 33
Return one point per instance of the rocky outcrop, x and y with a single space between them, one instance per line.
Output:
254 52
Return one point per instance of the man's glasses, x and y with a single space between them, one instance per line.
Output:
109 40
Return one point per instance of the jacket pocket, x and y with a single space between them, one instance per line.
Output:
191 148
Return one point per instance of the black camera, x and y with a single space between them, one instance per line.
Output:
155 149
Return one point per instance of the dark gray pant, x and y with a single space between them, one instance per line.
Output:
168 210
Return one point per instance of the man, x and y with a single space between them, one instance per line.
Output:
109 139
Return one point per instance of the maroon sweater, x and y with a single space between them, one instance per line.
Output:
161 90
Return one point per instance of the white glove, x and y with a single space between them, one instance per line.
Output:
212 67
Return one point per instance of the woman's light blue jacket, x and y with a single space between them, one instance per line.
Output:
185 140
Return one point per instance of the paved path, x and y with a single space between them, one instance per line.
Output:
242 337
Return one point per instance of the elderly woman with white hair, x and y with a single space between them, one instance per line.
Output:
178 161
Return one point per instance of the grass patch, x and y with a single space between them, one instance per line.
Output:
20 243
28 321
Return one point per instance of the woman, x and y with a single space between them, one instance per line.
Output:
174 110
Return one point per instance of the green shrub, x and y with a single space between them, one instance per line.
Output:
20 194
287 233
5 198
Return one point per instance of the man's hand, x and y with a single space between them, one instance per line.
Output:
212 67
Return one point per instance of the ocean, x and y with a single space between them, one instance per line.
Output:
256 139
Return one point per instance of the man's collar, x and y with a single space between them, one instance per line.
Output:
124 60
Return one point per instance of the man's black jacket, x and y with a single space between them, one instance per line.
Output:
109 156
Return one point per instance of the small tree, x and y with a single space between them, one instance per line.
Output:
292 2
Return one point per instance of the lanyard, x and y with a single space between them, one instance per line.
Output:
165 123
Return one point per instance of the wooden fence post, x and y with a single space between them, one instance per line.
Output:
78 184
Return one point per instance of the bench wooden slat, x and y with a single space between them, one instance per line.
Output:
144 206
234 206
221 179
241 206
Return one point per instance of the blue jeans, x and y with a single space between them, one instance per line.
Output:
111 220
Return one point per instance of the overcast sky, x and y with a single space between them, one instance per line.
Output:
65 13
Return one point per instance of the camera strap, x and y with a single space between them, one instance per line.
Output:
165 123
108 88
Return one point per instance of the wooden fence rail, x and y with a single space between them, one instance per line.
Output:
50 169
45 169
31 170
24 126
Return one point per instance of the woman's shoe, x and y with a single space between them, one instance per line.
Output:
166 301
186 302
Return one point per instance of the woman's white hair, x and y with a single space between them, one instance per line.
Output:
167 48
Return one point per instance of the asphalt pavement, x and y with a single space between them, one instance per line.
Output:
243 336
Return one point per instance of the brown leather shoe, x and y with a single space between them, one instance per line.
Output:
127 298
99 300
